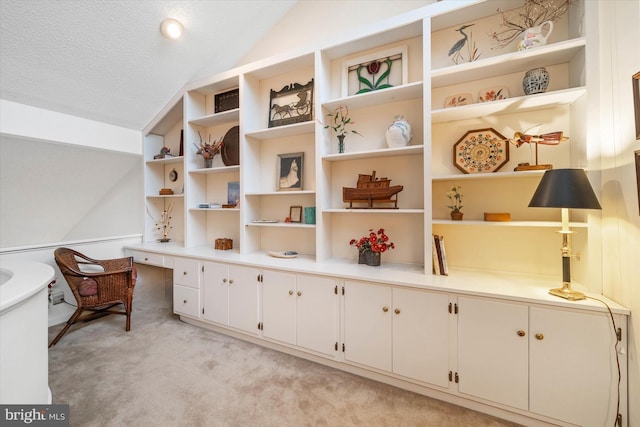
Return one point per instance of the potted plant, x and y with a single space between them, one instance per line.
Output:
209 150
371 246
339 121
455 198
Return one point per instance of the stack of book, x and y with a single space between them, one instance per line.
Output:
439 256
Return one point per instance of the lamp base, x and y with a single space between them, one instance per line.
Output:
567 293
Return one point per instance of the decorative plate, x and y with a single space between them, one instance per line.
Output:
287 254
231 147
458 100
481 151
493 94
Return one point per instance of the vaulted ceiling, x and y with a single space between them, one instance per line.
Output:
106 60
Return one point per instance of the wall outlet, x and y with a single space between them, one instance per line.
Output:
57 296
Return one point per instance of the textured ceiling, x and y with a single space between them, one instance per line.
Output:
106 60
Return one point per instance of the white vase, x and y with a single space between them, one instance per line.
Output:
399 132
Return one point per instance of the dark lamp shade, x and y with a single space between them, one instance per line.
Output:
564 188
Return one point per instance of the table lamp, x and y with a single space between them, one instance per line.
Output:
565 188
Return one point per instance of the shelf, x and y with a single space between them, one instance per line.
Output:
230 116
537 224
384 152
556 53
221 169
165 161
494 175
170 196
282 193
281 224
378 97
295 129
374 211
215 209
519 104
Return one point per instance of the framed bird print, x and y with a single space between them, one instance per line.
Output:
380 70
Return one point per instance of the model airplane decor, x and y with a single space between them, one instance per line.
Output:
520 138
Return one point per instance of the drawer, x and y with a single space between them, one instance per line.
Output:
185 272
147 258
186 301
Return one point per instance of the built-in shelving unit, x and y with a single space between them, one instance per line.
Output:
424 167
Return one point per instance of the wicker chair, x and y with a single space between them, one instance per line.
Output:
97 285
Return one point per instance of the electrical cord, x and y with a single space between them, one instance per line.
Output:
615 349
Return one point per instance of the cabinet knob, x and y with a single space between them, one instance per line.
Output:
224 280
184 273
146 259
521 333
185 301
397 311
290 292
539 336
385 309
231 281
299 293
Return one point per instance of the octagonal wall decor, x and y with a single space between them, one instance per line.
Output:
481 151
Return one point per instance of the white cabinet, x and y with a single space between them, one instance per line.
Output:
230 295
552 362
300 310
186 287
243 298
397 330
215 292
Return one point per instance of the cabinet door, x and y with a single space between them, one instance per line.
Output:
421 336
243 298
215 292
367 324
279 306
573 372
492 354
317 314
185 272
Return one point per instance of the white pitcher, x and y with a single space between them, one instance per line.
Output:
533 37
399 132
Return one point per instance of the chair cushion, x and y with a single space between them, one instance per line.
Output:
88 287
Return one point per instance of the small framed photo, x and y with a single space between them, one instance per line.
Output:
291 104
233 193
376 71
295 213
290 171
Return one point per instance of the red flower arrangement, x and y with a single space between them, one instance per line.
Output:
376 242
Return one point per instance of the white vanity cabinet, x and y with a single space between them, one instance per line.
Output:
186 287
300 310
397 330
552 362
230 295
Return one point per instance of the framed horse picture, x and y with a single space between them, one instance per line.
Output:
290 171
291 104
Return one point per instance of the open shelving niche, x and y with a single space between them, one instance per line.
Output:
529 243
164 132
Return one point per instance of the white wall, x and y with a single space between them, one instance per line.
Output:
619 60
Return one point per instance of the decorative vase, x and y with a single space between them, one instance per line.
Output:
456 216
341 143
399 132
369 257
208 162
535 81
533 37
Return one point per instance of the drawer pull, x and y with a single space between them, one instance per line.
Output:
290 292
146 259
539 336
184 273
231 281
521 333
224 280
397 311
299 293
385 309
185 301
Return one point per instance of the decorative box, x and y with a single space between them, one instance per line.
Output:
492 216
224 244
225 101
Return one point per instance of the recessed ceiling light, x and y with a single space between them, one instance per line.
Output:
171 28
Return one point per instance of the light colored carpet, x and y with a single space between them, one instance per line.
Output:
168 373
